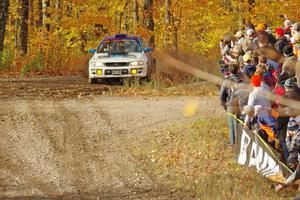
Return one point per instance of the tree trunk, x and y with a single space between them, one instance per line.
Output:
175 43
58 10
148 20
167 23
31 13
3 19
24 26
39 21
125 15
251 4
46 14
135 15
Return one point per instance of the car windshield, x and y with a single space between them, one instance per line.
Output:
119 46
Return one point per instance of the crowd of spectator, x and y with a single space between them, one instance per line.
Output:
261 71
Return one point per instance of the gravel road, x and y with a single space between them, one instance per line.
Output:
65 147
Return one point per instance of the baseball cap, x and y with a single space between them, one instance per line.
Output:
250 31
293 125
247 57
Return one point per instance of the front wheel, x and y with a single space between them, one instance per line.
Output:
92 80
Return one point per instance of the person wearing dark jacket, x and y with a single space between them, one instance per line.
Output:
229 85
289 64
271 39
292 93
248 69
281 125
293 136
281 40
292 90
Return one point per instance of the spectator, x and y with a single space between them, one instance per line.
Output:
287 27
258 95
281 126
293 161
289 64
292 93
263 39
249 69
251 123
265 71
239 98
250 42
292 90
261 27
281 40
227 101
236 54
293 137
266 123
239 38
295 40
290 181
226 44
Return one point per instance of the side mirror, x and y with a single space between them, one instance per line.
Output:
92 51
148 49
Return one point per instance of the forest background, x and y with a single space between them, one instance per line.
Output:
54 36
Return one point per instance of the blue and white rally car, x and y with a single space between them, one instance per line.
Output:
121 56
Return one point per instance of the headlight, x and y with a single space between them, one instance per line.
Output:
98 64
136 63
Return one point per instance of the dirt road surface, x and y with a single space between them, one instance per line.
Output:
75 148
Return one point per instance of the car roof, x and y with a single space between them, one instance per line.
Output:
122 36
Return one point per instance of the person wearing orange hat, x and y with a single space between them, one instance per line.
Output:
261 27
281 40
256 80
258 95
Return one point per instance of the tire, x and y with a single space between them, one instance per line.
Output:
93 80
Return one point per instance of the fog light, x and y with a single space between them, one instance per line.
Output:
99 72
133 71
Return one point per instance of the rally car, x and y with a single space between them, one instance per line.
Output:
121 56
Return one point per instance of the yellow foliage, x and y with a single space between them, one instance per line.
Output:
197 25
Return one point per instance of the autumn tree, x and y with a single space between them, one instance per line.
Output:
58 4
176 19
46 13
149 21
167 23
39 18
3 19
24 26
135 15
58 33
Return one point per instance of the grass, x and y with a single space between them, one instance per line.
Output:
196 157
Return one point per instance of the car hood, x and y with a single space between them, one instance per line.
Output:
116 58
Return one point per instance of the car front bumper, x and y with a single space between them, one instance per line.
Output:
117 72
